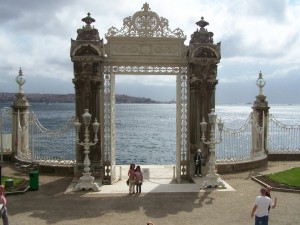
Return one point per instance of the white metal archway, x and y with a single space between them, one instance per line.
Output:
145 45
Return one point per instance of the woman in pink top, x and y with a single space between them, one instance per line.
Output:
132 178
139 179
3 210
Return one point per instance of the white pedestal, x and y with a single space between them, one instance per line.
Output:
213 180
86 182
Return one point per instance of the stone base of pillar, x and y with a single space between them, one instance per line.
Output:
86 182
213 180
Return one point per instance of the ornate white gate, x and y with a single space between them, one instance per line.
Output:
145 45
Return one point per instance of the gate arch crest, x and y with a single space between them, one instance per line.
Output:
145 23
146 45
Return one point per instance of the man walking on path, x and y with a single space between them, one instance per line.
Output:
261 207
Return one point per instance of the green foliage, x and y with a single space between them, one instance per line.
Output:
289 177
17 181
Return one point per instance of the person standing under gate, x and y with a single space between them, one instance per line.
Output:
139 179
3 210
132 178
198 162
261 207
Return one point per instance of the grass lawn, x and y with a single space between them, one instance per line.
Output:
17 181
289 177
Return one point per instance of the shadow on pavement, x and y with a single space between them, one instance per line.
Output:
51 205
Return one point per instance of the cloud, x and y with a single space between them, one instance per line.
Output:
147 80
255 35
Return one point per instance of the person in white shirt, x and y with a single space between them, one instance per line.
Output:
261 207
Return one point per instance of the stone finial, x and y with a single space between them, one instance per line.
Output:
146 7
20 100
20 79
260 82
202 35
88 20
87 32
202 23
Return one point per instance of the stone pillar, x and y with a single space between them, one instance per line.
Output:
87 58
261 115
20 115
203 57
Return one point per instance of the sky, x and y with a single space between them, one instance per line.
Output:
256 35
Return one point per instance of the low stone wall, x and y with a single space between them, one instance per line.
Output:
57 170
223 168
64 170
283 157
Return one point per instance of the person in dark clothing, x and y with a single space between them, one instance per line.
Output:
198 162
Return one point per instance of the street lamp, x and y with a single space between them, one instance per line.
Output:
86 181
212 179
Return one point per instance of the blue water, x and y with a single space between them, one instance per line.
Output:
146 133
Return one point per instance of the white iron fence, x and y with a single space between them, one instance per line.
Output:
238 143
283 138
5 132
48 147
58 147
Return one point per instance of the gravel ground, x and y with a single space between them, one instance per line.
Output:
50 205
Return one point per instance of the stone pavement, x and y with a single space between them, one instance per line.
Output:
162 201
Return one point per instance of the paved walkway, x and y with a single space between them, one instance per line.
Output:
158 179
162 201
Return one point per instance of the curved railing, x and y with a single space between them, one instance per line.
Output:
283 138
237 144
58 147
48 147
5 132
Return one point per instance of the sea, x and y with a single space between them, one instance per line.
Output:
146 133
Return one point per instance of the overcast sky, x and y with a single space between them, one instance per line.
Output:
256 35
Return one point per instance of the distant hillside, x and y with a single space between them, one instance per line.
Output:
70 98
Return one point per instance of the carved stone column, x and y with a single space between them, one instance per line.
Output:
203 57
87 56
261 114
20 115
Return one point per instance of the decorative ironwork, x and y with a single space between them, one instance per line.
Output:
237 143
182 126
5 132
113 128
283 138
109 127
145 23
152 70
47 147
